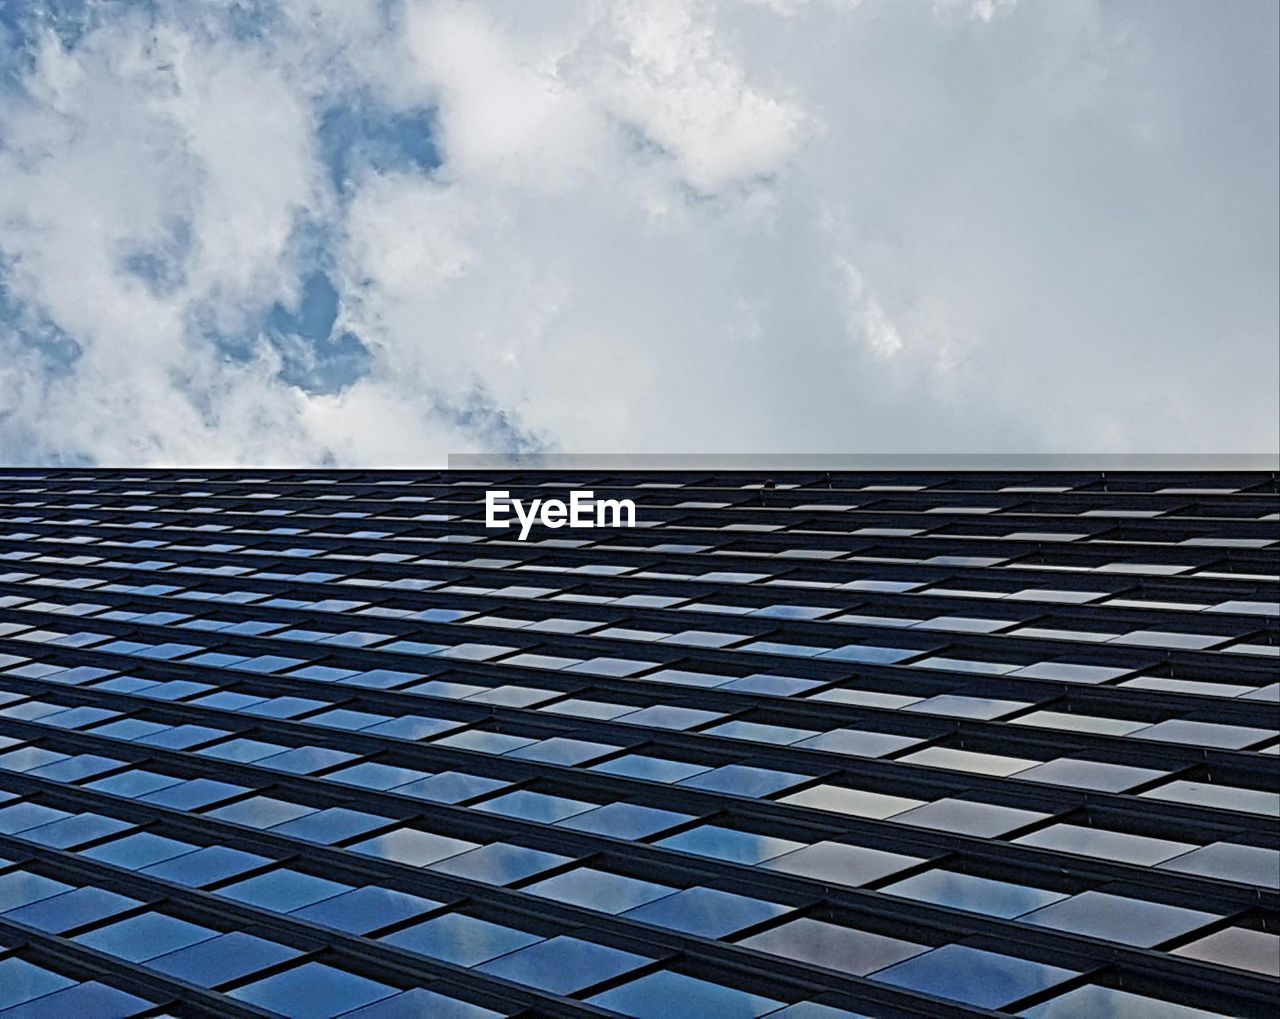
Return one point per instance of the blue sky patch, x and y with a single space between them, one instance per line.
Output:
488 425
162 266
361 134
57 348
314 359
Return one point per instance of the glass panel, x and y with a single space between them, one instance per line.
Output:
729 844
960 706
243 750
842 864
856 802
485 742
563 965
371 775
74 831
1238 947
1105 777
1204 734
654 769
1231 862
842 949
365 909
205 866
974 894
859 744
451 787
707 912
87 999
326 827
599 890
1093 1000
625 821
1118 918
1106 845
568 752
23 816
759 733
222 959
261 812
968 817
192 795
130 784
72 909
144 937
76 768
140 850
20 981
20 887
461 940
305 760
313 989
419 1002
742 780
499 863
411 846
967 760
1069 722
1210 794
664 994
531 806
972 976
283 890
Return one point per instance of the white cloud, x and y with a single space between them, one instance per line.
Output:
663 226
660 67
865 318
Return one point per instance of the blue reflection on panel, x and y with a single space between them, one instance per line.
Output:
146 936
462 940
665 994
975 894
220 960
564 965
706 912
283 890
313 990
599 890
206 866
365 909
88 999
972 976
71 909
729 844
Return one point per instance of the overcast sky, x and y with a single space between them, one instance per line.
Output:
377 232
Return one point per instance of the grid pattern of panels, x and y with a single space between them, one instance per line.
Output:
319 743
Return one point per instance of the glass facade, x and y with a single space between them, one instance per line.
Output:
319 743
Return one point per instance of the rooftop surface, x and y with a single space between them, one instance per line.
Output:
805 745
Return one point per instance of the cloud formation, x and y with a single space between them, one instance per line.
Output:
371 232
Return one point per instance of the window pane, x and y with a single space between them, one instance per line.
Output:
706 912
313 989
839 948
564 965
365 909
972 976
222 959
144 937
664 994
462 940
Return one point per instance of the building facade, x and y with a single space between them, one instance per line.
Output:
816 744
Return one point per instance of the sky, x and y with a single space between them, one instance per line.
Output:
377 232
